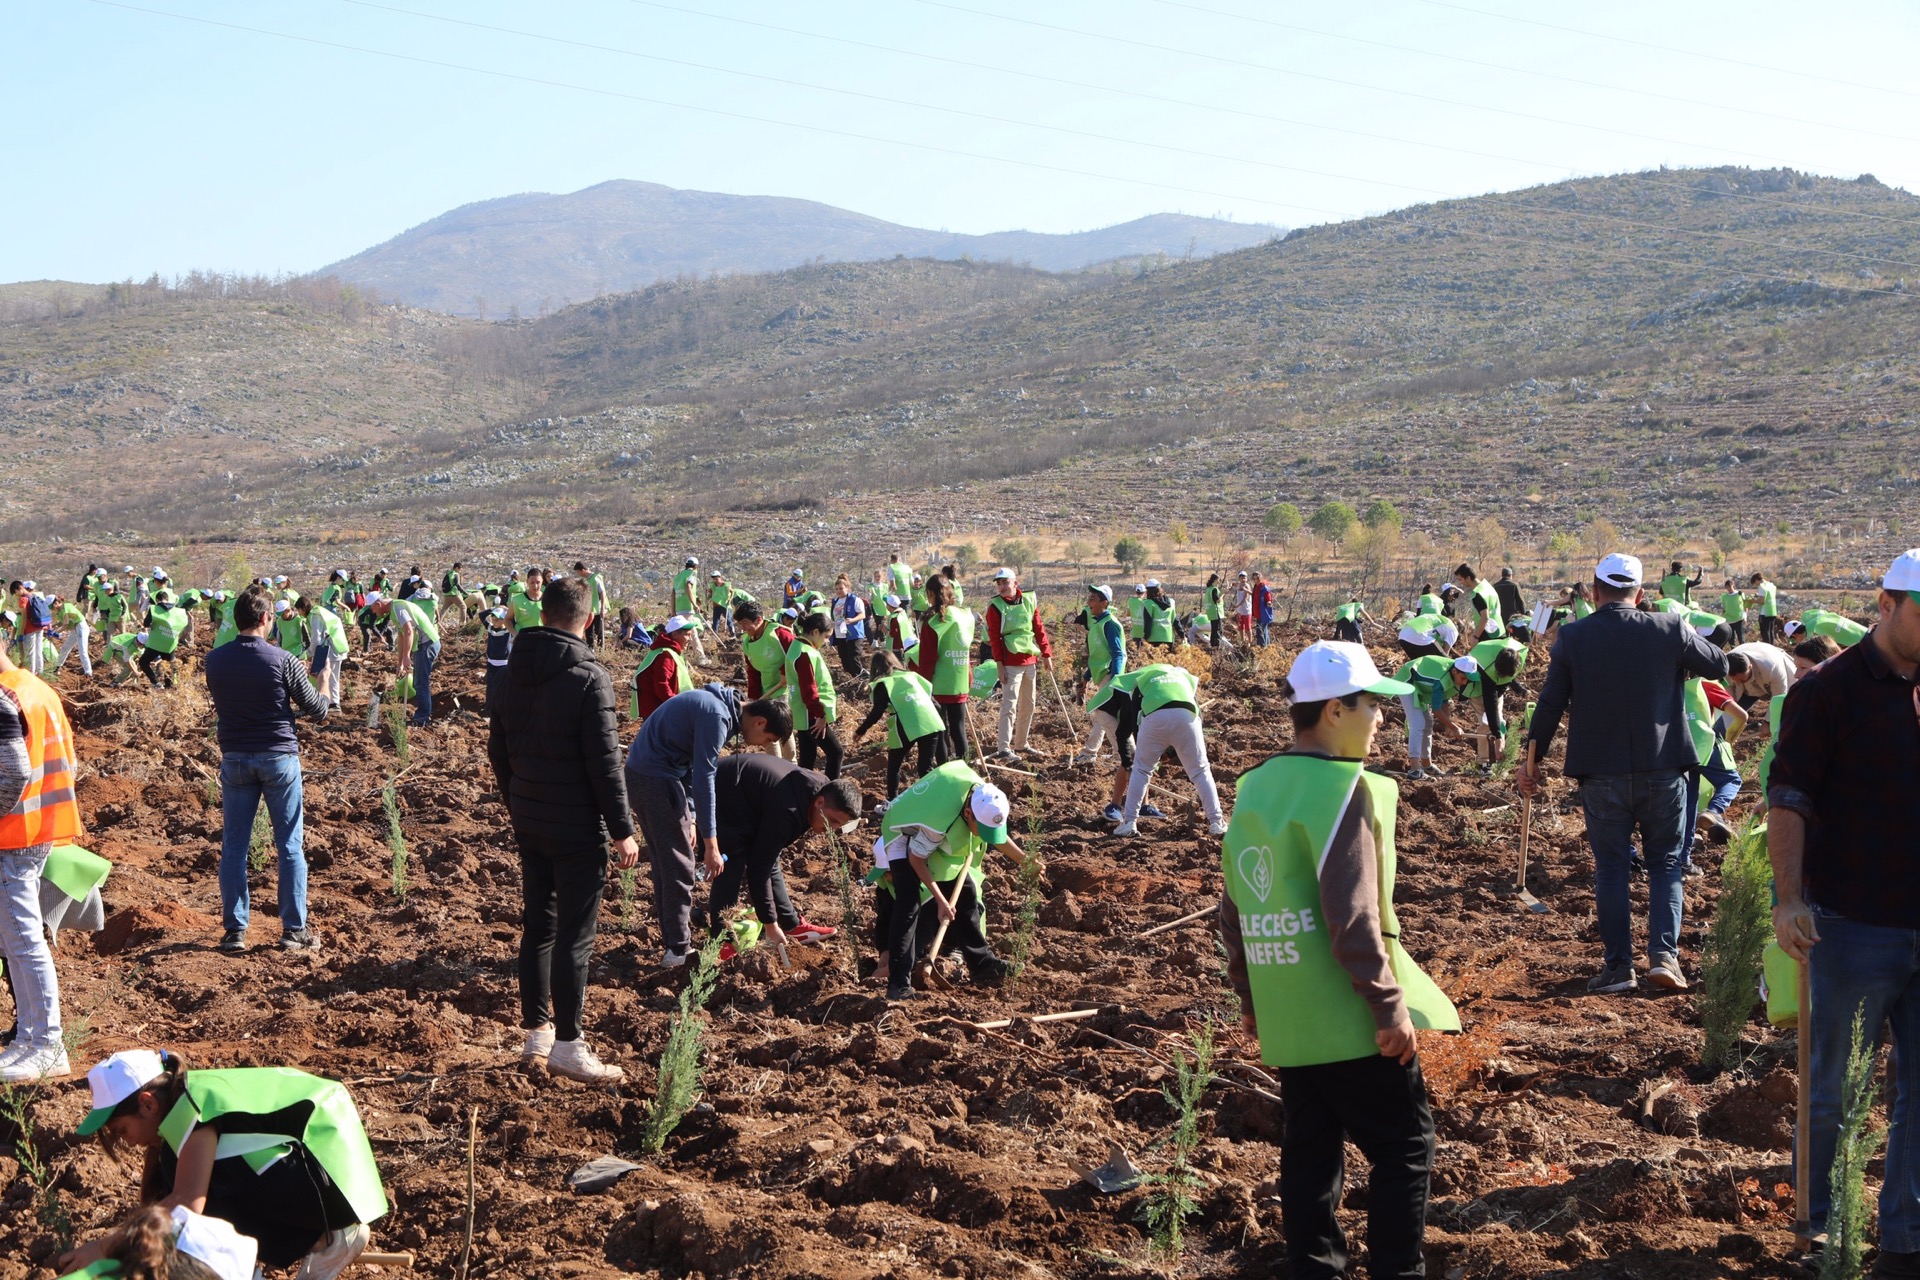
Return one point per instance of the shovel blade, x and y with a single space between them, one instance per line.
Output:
1532 903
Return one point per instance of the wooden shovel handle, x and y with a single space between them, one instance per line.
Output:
371 1259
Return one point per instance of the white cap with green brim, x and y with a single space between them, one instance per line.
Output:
1004 575
115 1080
215 1242
990 809
1104 592
678 622
1336 668
1904 574
1466 665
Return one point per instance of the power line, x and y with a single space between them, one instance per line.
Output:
1667 48
1348 84
1528 71
1218 108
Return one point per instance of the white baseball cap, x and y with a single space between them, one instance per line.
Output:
1904 575
1335 668
158 572
1140 588
893 601
1104 592
281 606
1466 665
714 574
28 585
990 809
1242 573
115 1080
1004 575
127 569
693 562
216 1243
798 574
1618 570
1152 583
678 622
109 588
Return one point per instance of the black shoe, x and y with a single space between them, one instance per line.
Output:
234 942
299 940
1895 1266
901 993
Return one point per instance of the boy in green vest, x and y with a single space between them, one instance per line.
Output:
1347 619
1313 952
1484 600
720 599
1106 658
1161 616
1768 597
1677 586
1733 607
1137 613
905 699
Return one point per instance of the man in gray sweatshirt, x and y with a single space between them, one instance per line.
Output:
670 776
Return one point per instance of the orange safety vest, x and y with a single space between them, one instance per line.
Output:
47 812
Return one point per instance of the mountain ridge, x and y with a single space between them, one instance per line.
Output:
532 252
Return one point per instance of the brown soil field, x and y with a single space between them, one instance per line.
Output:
842 1138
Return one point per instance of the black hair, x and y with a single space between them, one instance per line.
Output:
842 796
775 712
815 623
1738 664
252 607
1506 665
748 611
884 664
1466 571
1817 649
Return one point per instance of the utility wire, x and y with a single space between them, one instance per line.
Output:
1667 48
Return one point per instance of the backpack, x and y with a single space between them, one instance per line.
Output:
39 613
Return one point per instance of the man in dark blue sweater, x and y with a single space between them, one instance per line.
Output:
1622 672
257 689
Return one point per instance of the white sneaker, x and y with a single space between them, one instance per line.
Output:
25 1065
1081 760
1127 829
336 1253
538 1045
1218 827
573 1060
671 959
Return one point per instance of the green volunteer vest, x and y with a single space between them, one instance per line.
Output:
1016 624
902 579
822 679
335 629
228 632
1428 603
423 625
1305 1007
68 616
122 647
112 608
1701 620
1734 606
332 595
939 802
917 598
1121 686
1486 651
1774 706
290 634
1425 623
682 678
1431 678
1674 587
74 871
1668 605
1099 648
719 594
957 592
1842 630
1707 746
912 713
1349 612
985 676
683 591
1211 606
1158 617
164 632
954 635
1137 614
526 611
290 1105
1165 685
1769 600
769 657
1487 600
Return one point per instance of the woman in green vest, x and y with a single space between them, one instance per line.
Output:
289 629
1500 662
811 696
1160 616
1767 596
944 661
1106 658
1733 607
1214 607
1428 603
1314 953
280 1154
1484 600
1166 700
1436 680
905 699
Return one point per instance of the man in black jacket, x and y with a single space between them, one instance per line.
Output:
765 804
257 690
1623 673
555 748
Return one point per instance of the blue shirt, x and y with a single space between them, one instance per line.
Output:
682 741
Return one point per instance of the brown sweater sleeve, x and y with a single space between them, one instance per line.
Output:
1236 949
1350 910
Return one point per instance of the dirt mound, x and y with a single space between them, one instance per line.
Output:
163 922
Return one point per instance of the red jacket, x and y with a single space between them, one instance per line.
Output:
660 680
1000 653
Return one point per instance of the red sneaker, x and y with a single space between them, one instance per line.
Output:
727 952
807 929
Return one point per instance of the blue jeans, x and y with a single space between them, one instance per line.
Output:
424 656
1877 967
1654 804
246 777
23 942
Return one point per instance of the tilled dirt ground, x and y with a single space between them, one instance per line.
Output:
839 1137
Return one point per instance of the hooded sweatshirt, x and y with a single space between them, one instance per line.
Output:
554 743
681 742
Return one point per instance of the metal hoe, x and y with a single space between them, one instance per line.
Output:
1803 1116
1527 899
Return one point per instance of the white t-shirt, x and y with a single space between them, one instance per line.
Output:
1772 670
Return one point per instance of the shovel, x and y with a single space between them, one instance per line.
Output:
1118 1174
1527 899
1803 1117
932 963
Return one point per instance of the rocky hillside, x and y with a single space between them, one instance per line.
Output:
531 254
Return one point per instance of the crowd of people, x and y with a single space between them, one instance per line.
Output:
713 783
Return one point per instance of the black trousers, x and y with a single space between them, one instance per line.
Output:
911 927
827 744
1413 650
148 657
1381 1107
1213 633
1346 629
1769 629
560 887
1493 700
955 714
933 754
661 811
741 871
849 651
597 630
287 1207
1739 628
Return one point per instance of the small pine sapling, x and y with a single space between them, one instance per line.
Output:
1859 1139
396 838
1730 964
16 1108
1174 1196
679 1071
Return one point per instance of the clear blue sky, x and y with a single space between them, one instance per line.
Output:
136 142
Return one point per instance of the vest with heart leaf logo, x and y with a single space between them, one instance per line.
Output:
1284 820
